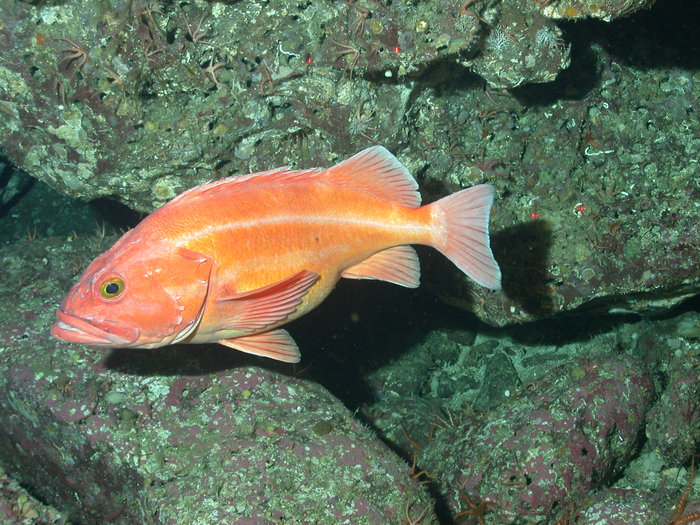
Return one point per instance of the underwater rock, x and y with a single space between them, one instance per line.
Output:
12 184
523 47
591 213
606 10
187 435
621 507
139 101
564 434
673 424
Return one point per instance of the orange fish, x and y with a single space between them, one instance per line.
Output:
231 260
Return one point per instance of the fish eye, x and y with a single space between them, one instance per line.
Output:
112 288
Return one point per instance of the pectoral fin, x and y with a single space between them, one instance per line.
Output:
275 344
398 265
256 309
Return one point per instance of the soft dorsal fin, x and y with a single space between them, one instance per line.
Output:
378 172
398 265
243 182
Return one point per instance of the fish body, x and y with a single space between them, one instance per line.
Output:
232 260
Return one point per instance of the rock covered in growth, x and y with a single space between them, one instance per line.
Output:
572 429
140 101
402 37
17 505
622 507
606 10
179 436
522 47
14 185
673 425
554 185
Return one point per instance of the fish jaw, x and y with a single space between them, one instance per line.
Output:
93 332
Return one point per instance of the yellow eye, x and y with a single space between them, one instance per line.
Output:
112 288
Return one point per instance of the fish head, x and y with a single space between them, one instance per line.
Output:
137 295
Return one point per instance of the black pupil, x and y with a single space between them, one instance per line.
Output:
112 288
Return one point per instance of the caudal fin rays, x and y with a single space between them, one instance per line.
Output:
466 240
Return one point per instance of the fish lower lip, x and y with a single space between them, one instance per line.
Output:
76 330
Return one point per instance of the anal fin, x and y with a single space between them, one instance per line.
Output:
398 265
275 344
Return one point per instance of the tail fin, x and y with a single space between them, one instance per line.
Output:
465 237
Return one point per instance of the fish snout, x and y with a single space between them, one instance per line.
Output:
93 332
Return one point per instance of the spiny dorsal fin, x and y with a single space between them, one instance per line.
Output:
373 170
240 182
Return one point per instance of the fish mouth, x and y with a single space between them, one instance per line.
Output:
73 329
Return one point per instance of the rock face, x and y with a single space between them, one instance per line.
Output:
182 436
596 184
523 47
139 101
606 10
573 429
546 424
247 446
673 433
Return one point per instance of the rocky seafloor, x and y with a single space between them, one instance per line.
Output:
401 404
570 397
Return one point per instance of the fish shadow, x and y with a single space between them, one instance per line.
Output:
362 326
523 252
177 360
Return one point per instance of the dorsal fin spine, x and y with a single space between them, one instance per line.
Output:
373 170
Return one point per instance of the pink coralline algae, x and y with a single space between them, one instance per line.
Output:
535 456
244 446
